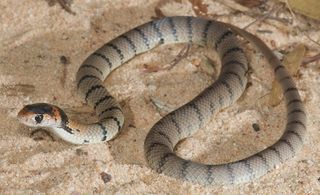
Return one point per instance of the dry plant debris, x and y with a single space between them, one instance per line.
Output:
292 62
309 8
65 4
249 3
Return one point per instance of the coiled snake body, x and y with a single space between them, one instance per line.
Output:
183 122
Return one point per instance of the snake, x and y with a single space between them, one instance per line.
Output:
165 134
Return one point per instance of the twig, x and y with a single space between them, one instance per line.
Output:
308 60
66 6
290 9
315 42
265 16
182 54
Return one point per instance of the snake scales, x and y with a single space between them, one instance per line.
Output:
183 122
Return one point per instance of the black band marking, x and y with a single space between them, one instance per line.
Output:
102 100
250 170
235 62
155 144
117 50
294 101
231 50
104 132
173 29
220 100
296 111
165 136
224 83
205 32
175 124
230 173
143 36
92 67
163 161
289 144
209 172
297 134
222 38
197 110
277 152
296 122
131 43
212 107
236 75
264 160
113 118
278 68
64 117
158 32
94 87
109 109
284 78
184 168
67 129
86 77
189 28
290 89
104 58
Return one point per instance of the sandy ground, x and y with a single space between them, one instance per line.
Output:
42 46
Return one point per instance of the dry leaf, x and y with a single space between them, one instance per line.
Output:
233 5
249 3
310 8
311 59
181 55
157 9
160 4
292 62
65 4
18 89
276 94
199 8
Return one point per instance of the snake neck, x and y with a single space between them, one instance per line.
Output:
76 132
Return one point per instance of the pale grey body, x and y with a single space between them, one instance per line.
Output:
183 122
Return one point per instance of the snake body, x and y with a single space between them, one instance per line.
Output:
183 122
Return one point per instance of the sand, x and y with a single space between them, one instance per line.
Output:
41 47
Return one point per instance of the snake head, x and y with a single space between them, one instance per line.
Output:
41 115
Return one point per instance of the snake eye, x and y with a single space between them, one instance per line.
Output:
38 118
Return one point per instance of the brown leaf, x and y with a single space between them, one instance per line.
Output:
199 8
293 59
310 8
311 59
249 3
292 62
159 13
18 89
65 4
233 5
157 9
276 94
